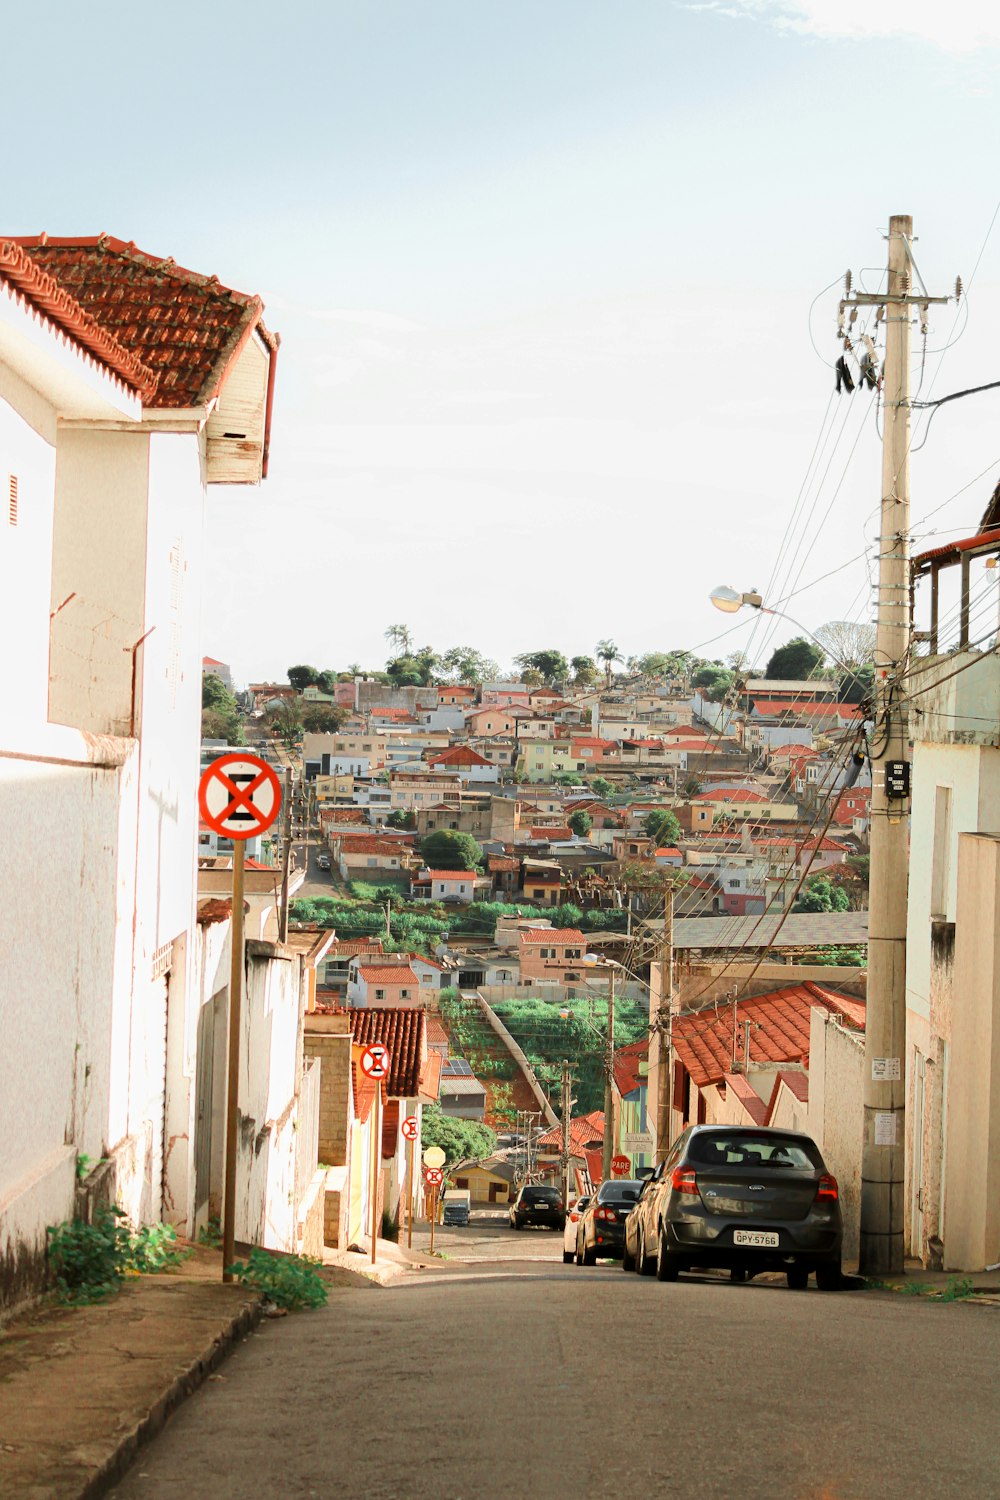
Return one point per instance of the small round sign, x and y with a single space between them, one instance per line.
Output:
375 1061
620 1166
410 1128
434 1176
239 796
434 1157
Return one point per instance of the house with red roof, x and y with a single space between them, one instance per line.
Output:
376 981
555 954
462 886
124 381
726 1058
365 856
465 762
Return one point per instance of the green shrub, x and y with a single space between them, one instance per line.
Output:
289 1281
90 1261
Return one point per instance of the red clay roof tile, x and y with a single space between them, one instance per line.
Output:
779 1029
403 1030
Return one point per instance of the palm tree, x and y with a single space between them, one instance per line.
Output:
400 638
607 652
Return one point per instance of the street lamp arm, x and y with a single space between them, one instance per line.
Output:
731 602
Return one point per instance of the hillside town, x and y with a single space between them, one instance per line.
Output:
389 1032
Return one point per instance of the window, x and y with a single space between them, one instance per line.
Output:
404 994
941 858
380 994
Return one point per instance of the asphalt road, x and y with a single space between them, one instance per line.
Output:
493 1379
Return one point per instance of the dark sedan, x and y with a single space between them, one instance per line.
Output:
601 1230
742 1200
540 1205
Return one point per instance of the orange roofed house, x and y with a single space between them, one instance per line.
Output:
127 386
553 953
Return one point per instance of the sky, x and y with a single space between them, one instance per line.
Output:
557 287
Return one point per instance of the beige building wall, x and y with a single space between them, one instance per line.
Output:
836 1091
971 1229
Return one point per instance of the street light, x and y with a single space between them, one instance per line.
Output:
731 602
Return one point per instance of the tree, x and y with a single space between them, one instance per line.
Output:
821 895
449 850
414 670
601 786
691 787
467 664
302 677
323 718
662 825
400 638
220 717
531 677
607 652
848 643
460 1140
327 681
581 823
399 819
584 670
795 661
286 720
552 665
654 664
713 682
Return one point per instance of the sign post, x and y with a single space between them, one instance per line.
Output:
238 797
410 1130
375 1065
434 1160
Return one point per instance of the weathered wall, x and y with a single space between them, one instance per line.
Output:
972 1153
836 1094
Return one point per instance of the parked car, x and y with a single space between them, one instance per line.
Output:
601 1230
743 1200
536 1204
323 861
569 1231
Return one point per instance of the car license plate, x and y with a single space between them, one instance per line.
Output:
762 1239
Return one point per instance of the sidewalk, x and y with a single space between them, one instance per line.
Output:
82 1388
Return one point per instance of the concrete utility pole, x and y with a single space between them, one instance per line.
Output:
566 1107
882 1162
664 1018
286 857
609 1076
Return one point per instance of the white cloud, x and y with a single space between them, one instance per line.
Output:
961 26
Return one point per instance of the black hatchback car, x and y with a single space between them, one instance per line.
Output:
601 1230
743 1200
536 1204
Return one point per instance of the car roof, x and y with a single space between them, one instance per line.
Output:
775 1130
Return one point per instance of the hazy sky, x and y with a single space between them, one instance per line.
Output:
543 272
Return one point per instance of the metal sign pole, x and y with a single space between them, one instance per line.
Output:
232 1091
433 1215
409 1206
376 1153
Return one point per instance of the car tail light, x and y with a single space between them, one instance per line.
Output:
604 1213
683 1180
827 1192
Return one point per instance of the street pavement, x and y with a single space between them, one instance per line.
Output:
499 1372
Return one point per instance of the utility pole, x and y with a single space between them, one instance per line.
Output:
566 1106
883 1148
286 857
664 1029
609 1076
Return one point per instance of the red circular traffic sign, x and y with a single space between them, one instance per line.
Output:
433 1176
375 1061
620 1166
239 795
410 1128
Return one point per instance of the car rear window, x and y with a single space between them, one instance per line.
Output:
541 1195
754 1151
619 1192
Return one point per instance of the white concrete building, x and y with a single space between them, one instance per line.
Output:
110 432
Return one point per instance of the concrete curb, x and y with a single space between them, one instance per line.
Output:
129 1444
